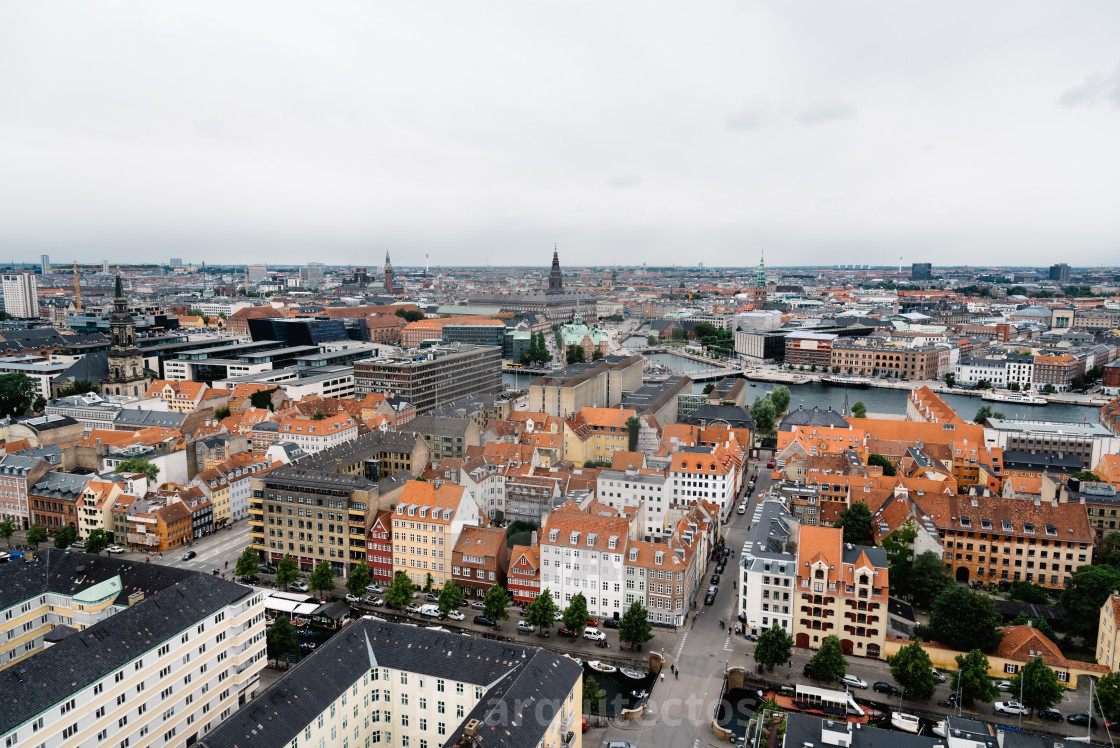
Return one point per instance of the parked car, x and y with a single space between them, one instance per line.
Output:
887 688
1004 685
710 598
298 587
937 674
266 569
1010 707
483 621
376 589
592 622
455 615
371 600
610 623
771 464
854 681
620 744
353 598
413 608
115 549
429 611
594 635
715 578
565 631
1050 715
1081 720
250 579
807 671
431 597
525 628
189 555
79 544
742 509
478 605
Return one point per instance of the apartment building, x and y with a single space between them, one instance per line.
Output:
17 473
1057 371
379 548
446 437
705 473
922 362
228 485
664 576
97 683
584 553
187 396
644 489
1101 500
768 569
368 685
1108 633
842 589
809 349
313 436
433 377
21 295
311 515
93 507
596 434
427 523
597 384
154 528
970 371
479 560
1089 442
374 455
54 499
524 577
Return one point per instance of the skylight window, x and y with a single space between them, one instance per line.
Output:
966 521
1051 530
1028 527
1007 526
985 524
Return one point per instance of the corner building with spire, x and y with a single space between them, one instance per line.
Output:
126 365
554 302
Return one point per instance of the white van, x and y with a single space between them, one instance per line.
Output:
429 611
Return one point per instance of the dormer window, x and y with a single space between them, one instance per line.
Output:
553 535
966 521
659 557
1028 527
612 542
633 555
1007 526
985 524
573 539
1051 530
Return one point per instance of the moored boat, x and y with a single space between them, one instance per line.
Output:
824 703
1015 398
631 673
602 667
905 722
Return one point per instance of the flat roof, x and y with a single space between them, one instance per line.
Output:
1049 427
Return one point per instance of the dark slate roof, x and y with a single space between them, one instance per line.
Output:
1016 460
438 426
59 485
50 676
298 475
900 608
92 367
877 556
1010 609
814 417
281 711
733 415
363 447
394 481
146 418
41 424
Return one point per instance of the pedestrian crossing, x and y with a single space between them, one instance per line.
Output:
680 646
727 644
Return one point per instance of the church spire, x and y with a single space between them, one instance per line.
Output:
118 299
555 279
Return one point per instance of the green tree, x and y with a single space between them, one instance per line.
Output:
984 412
1088 588
633 429
542 611
1108 550
964 620
576 615
597 354
318 415
899 546
358 579
247 563
97 541
881 461
971 679
1087 476
77 387
774 647
1014 387
911 668
8 529
592 695
829 663
65 537
410 315
780 397
495 605
928 578
262 399
17 392
1048 389
286 571
429 582
859 410
36 534
574 354
281 638
39 404
400 591
450 597
709 387
950 380
704 330
221 413
764 413
1028 592
856 521
322 578
139 465
1108 694
1038 684
634 627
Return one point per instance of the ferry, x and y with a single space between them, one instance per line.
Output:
602 667
854 382
824 703
905 722
1015 398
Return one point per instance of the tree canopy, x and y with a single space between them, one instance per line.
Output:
888 466
984 412
764 413
496 604
856 521
774 647
927 578
358 579
400 591
829 663
911 668
1108 693
97 541
247 563
780 397
1038 684
576 615
971 678
964 620
17 392
139 465
1028 592
1088 588
286 571
542 611
322 578
633 430
634 627
281 638
450 597
7 529
36 534
409 315
859 410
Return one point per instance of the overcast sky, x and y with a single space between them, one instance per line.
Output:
665 132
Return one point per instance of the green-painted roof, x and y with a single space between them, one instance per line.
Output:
99 592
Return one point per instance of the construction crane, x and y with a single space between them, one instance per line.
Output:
77 288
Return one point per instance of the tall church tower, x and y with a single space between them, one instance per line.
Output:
555 279
760 283
126 366
388 274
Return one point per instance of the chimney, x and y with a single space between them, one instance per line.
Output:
135 597
533 539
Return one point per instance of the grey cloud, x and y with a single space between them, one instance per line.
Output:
751 117
625 181
815 115
1096 87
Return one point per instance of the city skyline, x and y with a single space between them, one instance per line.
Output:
932 133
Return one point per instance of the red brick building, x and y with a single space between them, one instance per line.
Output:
524 579
379 547
479 560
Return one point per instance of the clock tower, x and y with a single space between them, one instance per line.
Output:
126 366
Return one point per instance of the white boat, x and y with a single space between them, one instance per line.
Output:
631 673
602 667
1015 398
905 722
939 728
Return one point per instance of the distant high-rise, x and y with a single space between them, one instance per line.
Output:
176 262
21 295
45 261
104 266
1060 272
257 273
921 271
313 274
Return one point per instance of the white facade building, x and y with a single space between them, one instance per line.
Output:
970 371
21 295
768 569
583 553
645 489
